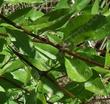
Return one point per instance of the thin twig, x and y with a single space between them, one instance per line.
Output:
46 41
43 74
3 35
97 100
14 83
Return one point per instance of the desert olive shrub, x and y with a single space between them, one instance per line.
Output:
48 58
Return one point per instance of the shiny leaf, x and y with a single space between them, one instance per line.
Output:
77 70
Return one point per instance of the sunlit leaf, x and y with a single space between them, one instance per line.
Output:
95 8
77 70
107 57
62 4
25 76
26 1
50 21
47 50
81 4
96 86
11 66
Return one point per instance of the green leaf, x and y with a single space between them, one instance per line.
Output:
3 97
39 61
75 23
81 4
2 43
95 28
8 82
31 98
70 101
11 102
2 57
25 16
47 50
22 75
79 91
93 56
1 1
40 94
51 89
20 16
11 66
77 70
108 87
2 89
41 99
2 30
56 38
50 21
96 86
107 57
56 97
95 8
22 42
101 70
34 14
26 1
62 4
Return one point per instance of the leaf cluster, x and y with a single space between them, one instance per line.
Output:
48 58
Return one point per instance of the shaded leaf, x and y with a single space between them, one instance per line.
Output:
3 97
75 23
22 42
40 94
31 98
2 43
56 97
1 1
95 28
8 82
1 58
19 16
50 21
79 91
51 89
40 62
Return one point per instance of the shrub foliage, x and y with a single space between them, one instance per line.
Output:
49 57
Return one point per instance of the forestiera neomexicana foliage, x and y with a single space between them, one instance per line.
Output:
38 49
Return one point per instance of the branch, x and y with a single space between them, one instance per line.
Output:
15 84
97 100
46 41
44 74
